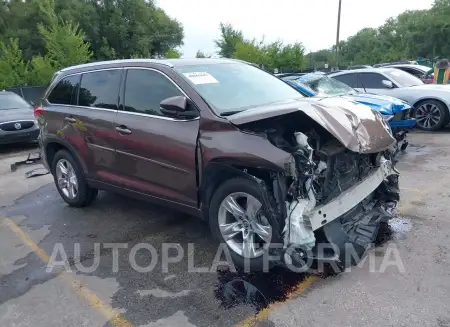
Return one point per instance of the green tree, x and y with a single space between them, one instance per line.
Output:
249 51
172 53
412 34
272 55
13 68
229 38
65 44
114 29
41 71
201 54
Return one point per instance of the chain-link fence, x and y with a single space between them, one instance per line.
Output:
32 94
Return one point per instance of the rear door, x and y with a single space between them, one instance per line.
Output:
88 123
156 155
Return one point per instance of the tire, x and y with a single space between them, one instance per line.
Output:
241 186
431 108
84 194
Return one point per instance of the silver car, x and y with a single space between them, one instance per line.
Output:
17 122
431 101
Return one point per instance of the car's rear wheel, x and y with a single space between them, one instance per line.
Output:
431 115
70 181
238 218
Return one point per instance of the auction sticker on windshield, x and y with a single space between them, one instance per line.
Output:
201 78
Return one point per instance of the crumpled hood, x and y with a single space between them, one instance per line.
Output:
385 104
16 114
358 127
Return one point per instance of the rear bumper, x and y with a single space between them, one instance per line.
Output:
19 136
42 152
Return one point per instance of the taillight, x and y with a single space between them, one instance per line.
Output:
38 111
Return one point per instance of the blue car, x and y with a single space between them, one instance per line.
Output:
395 111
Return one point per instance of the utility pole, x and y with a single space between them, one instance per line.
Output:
337 34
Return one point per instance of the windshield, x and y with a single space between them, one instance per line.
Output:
326 86
233 87
403 78
12 101
424 69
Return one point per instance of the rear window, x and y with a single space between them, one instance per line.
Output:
64 92
12 101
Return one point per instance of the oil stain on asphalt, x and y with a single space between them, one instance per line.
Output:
259 289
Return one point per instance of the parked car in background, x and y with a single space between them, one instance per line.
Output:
358 67
431 102
395 111
17 123
419 71
206 137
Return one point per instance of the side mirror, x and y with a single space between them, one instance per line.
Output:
176 107
173 105
387 84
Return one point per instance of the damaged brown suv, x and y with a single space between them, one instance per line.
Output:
227 142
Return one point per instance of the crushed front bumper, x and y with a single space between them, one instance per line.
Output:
325 214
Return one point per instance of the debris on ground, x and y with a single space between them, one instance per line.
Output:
37 172
33 158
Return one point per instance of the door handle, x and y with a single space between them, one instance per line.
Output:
70 119
123 130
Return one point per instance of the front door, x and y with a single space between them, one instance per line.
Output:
372 83
155 154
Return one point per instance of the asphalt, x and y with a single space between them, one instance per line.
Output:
402 283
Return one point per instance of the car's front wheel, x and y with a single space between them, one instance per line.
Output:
431 115
70 181
238 218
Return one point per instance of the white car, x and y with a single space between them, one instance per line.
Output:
431 101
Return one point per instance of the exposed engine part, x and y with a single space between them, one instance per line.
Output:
302 141
296 232
327 194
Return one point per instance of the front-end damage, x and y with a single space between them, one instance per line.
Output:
334 192
343 194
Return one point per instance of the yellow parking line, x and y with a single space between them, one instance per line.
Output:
114 316
264 313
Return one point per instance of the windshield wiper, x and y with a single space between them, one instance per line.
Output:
229 113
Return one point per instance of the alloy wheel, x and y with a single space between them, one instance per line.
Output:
428 115
67 179
243 225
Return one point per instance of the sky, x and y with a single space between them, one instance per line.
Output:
312 22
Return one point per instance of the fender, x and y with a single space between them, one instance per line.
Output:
218 171
63 143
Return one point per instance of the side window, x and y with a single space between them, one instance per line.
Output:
371 80
65 91
100 89
145 89
414 72
349 79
